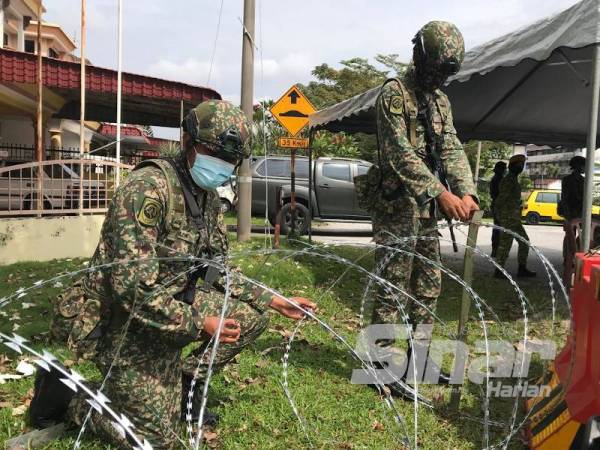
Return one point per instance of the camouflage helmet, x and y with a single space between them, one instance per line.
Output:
439 52
220 126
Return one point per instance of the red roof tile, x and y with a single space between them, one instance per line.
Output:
146 100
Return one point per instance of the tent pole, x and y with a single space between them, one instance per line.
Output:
591 152
476 174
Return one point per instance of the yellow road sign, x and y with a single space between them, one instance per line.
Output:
288 142
292 110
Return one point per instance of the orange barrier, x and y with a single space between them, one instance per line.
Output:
557 421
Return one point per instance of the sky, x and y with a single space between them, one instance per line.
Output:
175 40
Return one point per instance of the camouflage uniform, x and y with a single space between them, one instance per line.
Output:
508 210
404 203
148 219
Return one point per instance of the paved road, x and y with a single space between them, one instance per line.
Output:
548 238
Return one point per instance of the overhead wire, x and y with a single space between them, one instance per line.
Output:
267 228
214 50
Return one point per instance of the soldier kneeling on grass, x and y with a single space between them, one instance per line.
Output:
148 299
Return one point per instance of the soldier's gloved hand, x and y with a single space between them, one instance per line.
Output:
230 330
453 207
288 310
471 204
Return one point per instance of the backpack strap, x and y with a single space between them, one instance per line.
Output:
175 214
411 110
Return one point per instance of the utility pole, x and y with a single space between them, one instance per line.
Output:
244 180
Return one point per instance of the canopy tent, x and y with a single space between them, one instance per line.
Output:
531 85
538 84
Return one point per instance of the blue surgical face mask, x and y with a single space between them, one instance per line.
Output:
209 173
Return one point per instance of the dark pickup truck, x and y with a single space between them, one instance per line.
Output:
333 195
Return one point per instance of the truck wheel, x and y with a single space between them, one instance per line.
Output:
532 218
302 220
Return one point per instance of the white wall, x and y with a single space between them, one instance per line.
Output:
45 239
20 131
70 140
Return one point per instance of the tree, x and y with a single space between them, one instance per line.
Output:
266 131
332 86
552 170
491 152
147 130
356 76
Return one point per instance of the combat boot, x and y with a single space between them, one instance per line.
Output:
51 398
210 419
525 272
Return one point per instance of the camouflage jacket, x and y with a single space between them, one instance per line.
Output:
508 203
149 233
402 147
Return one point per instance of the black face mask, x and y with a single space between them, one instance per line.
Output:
432 72
517 168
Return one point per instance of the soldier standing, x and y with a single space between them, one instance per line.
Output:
499 170
571 197
167 211
418 147
508 209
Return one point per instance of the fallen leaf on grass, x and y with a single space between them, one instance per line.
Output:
211 438
26 305
261 363
5 405
377 426
25 369
281 331
5 377
4 361
19 410
268 350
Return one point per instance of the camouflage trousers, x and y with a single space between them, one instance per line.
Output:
405 271
145 381
514 224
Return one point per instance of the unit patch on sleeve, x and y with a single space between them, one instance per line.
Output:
150 212
396 104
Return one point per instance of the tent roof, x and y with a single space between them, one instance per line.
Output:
573 28
531 85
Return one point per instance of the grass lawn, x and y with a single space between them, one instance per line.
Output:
231 219
255 413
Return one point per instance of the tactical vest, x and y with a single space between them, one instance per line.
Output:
370 186
175 216
81 314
